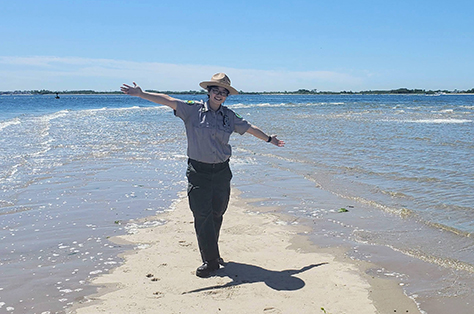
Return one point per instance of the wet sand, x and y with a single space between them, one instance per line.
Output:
271 267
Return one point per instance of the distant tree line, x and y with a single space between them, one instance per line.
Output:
203 92
49 92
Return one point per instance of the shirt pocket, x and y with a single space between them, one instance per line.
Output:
223 132
204 122
226 128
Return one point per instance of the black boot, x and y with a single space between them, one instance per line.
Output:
207 268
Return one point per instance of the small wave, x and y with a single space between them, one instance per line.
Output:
137 107
132 228
100 110
401 212
440 121
5 203
437 260
261 105
9 123
95 110
450 229
55 115
444 111
367 237
14 209
415 179
244 161
395 194
128 108
289 105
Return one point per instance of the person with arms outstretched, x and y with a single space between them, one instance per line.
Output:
209 125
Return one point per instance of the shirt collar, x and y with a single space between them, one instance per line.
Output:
206 108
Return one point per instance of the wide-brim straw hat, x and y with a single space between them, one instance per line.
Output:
221 80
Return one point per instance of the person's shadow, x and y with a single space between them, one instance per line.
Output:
243 273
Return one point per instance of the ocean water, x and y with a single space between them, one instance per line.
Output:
79 169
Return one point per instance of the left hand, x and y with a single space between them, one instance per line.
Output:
276 141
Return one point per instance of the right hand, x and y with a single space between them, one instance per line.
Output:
134 90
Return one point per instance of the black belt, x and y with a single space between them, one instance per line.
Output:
205 165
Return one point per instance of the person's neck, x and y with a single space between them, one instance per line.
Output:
214 106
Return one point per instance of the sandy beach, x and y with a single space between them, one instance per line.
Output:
270 268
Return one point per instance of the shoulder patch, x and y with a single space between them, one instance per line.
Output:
238 115
190 102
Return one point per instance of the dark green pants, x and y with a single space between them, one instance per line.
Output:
208 195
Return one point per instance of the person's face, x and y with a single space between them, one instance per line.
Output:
217 95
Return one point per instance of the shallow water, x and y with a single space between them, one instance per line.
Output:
75 171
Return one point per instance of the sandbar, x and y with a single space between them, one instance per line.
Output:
270 268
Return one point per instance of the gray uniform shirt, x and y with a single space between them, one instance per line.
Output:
208 131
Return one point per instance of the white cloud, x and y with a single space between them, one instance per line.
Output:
72 73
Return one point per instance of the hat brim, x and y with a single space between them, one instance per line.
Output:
206 84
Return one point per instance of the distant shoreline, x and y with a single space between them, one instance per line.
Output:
400 91
242 93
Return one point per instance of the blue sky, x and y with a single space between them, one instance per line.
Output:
261 45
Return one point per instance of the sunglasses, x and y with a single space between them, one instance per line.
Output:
216 91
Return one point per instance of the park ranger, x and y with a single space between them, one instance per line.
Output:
209 125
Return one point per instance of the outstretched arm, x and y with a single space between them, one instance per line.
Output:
255 131
161 99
